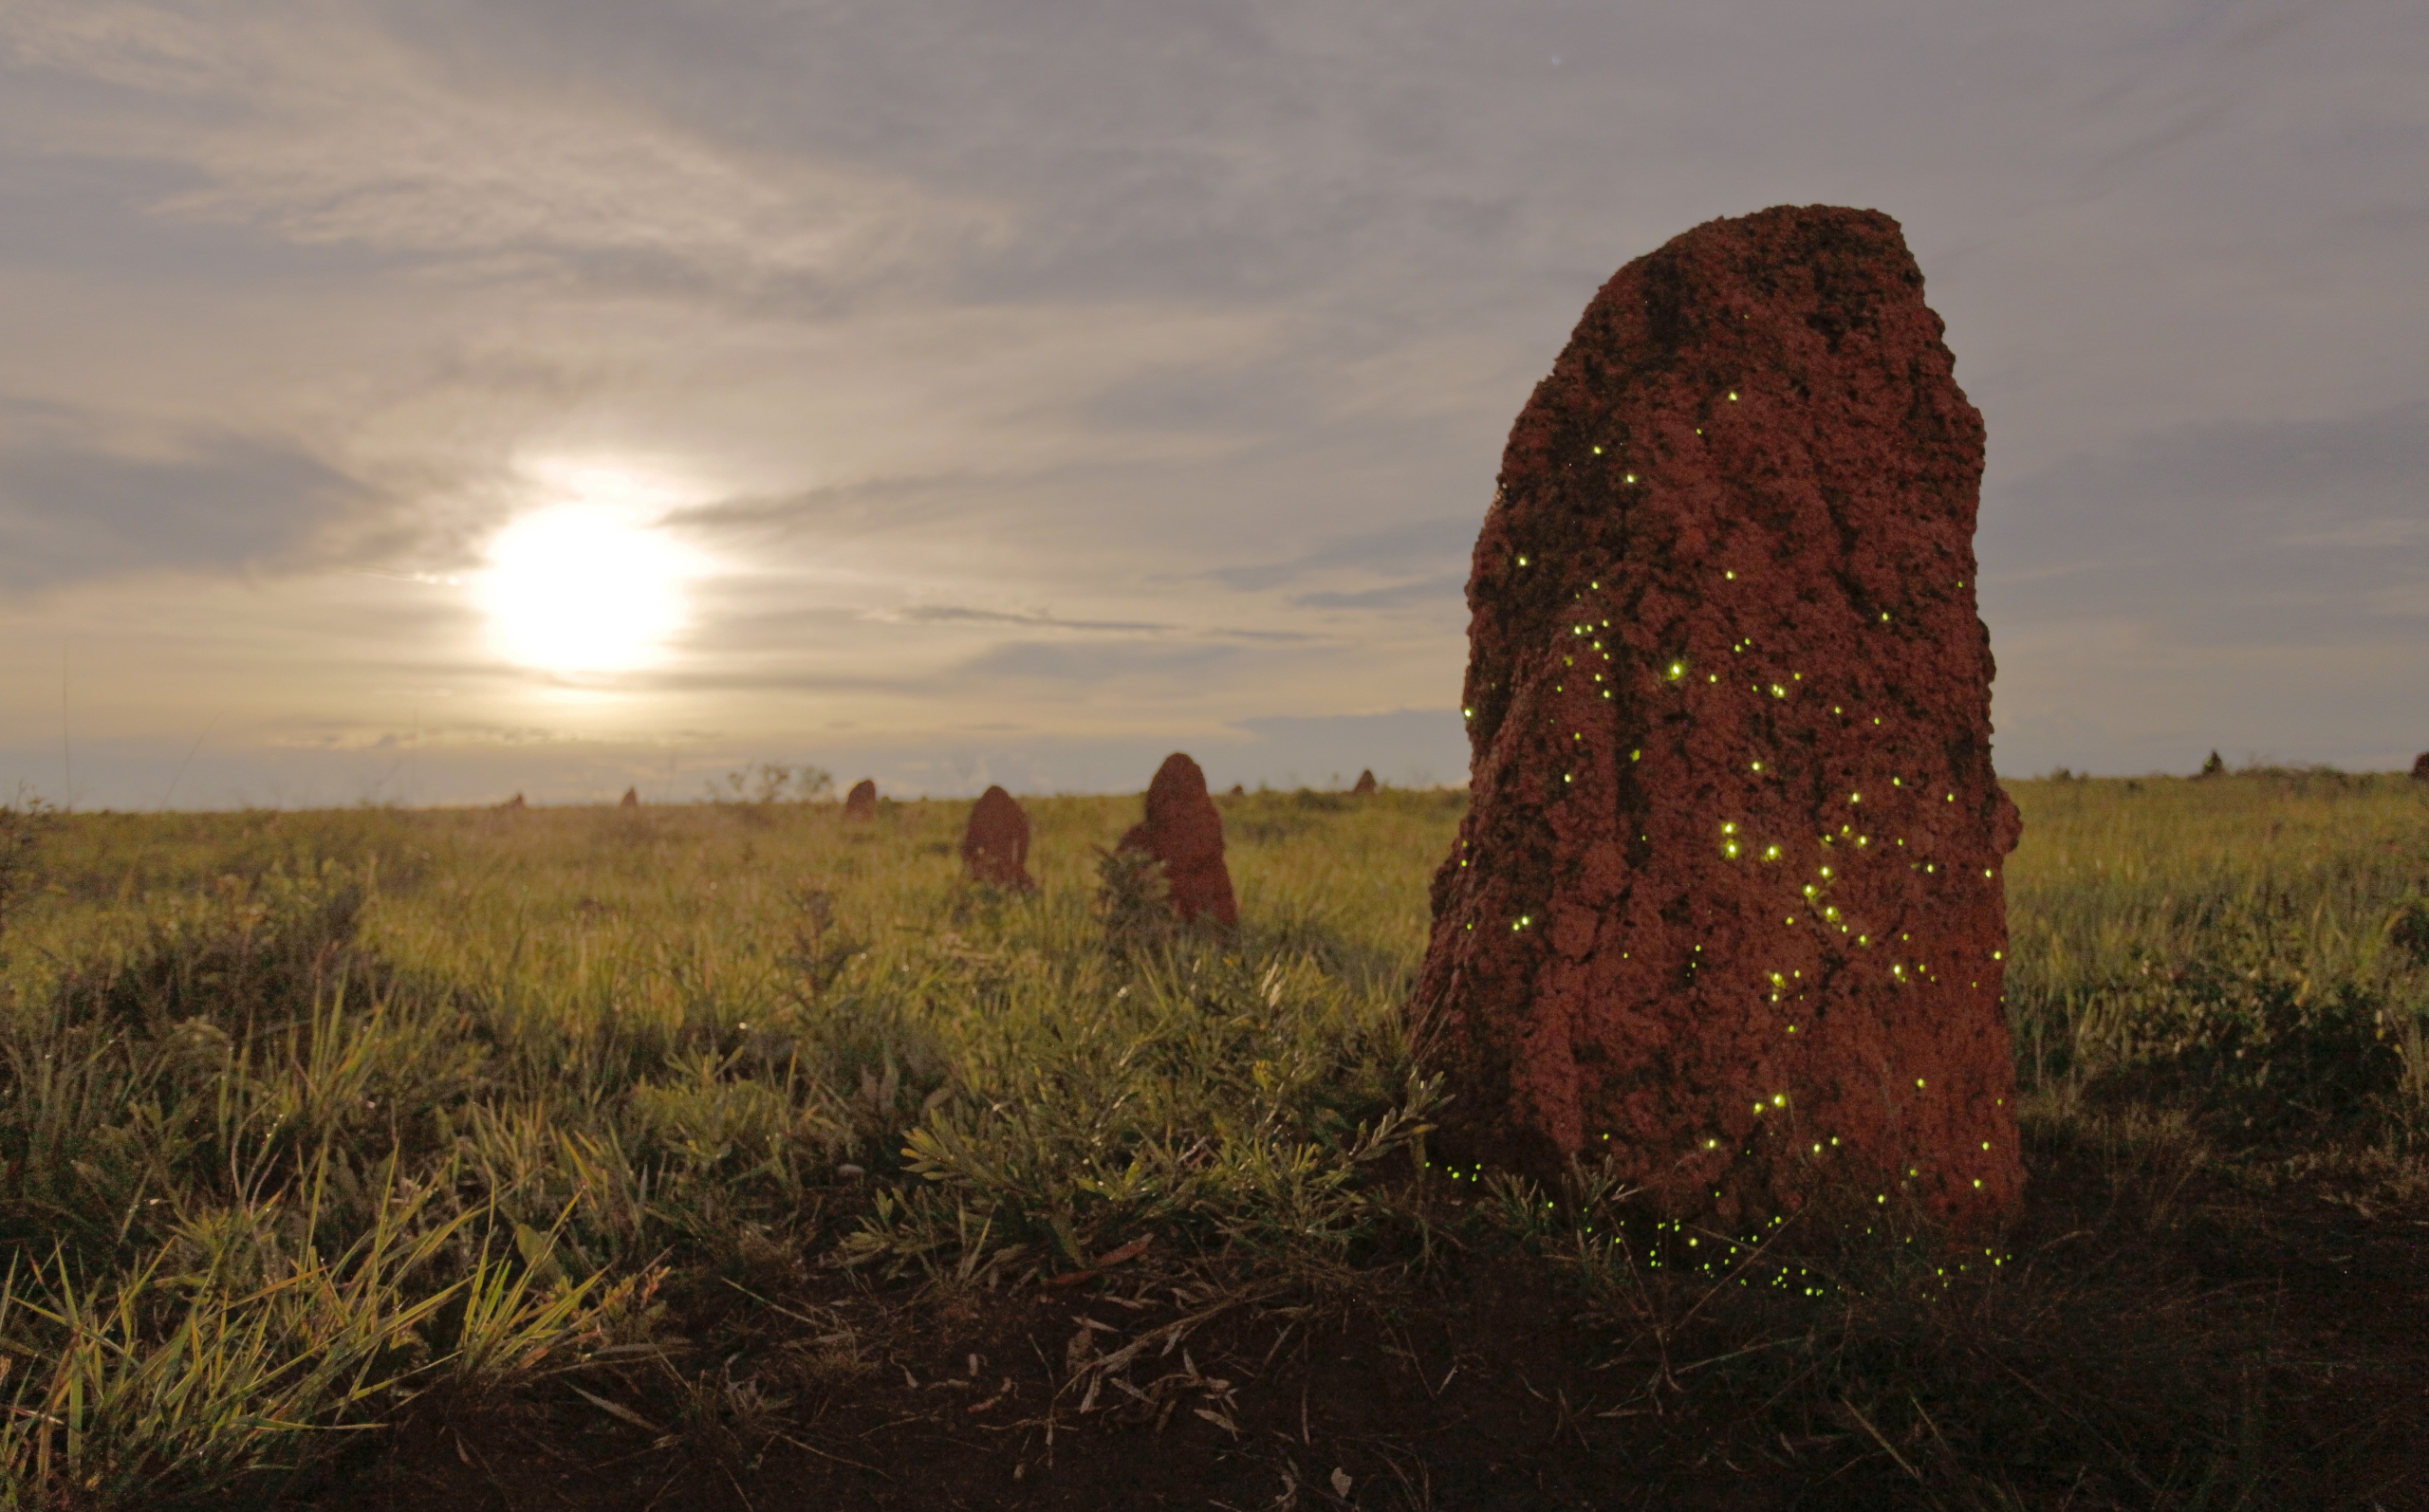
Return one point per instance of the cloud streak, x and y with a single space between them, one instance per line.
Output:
955 615
71 512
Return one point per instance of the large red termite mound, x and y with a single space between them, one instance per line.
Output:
1184 831
860 802
1726 903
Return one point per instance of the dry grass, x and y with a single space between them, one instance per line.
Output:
747 1138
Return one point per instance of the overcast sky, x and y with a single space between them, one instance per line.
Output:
1018 391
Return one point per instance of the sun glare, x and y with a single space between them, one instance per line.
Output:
583 588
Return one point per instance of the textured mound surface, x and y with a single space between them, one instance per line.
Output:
1726 905
1184 832
994 847
860 802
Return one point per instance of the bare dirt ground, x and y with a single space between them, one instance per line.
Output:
2161 1338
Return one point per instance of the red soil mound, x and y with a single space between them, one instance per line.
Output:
994 847
2420 768
632 799
516 801
1726 903
1183 830
860 802
1365 784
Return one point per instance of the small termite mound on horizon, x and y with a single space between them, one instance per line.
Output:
1184 832
994 845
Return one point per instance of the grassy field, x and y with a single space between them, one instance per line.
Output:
725 1156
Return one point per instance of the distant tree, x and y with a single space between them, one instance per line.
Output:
2215 764
773 782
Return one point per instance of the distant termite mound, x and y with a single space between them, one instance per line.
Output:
632 799
1184 831
516 801
1365 784
1726 906
995 846
2420 768
860 802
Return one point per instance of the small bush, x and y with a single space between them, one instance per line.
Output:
249 956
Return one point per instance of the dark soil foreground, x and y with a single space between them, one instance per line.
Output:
2161 1337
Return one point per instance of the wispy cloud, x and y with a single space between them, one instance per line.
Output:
1417 544
1172 668
951 614
1436 592
74 510
957 615
321 127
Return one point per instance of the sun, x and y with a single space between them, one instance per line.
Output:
583 588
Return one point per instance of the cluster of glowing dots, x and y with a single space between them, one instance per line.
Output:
1739 1253
1732 844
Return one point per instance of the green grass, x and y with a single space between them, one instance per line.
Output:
2252 947
318 1122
